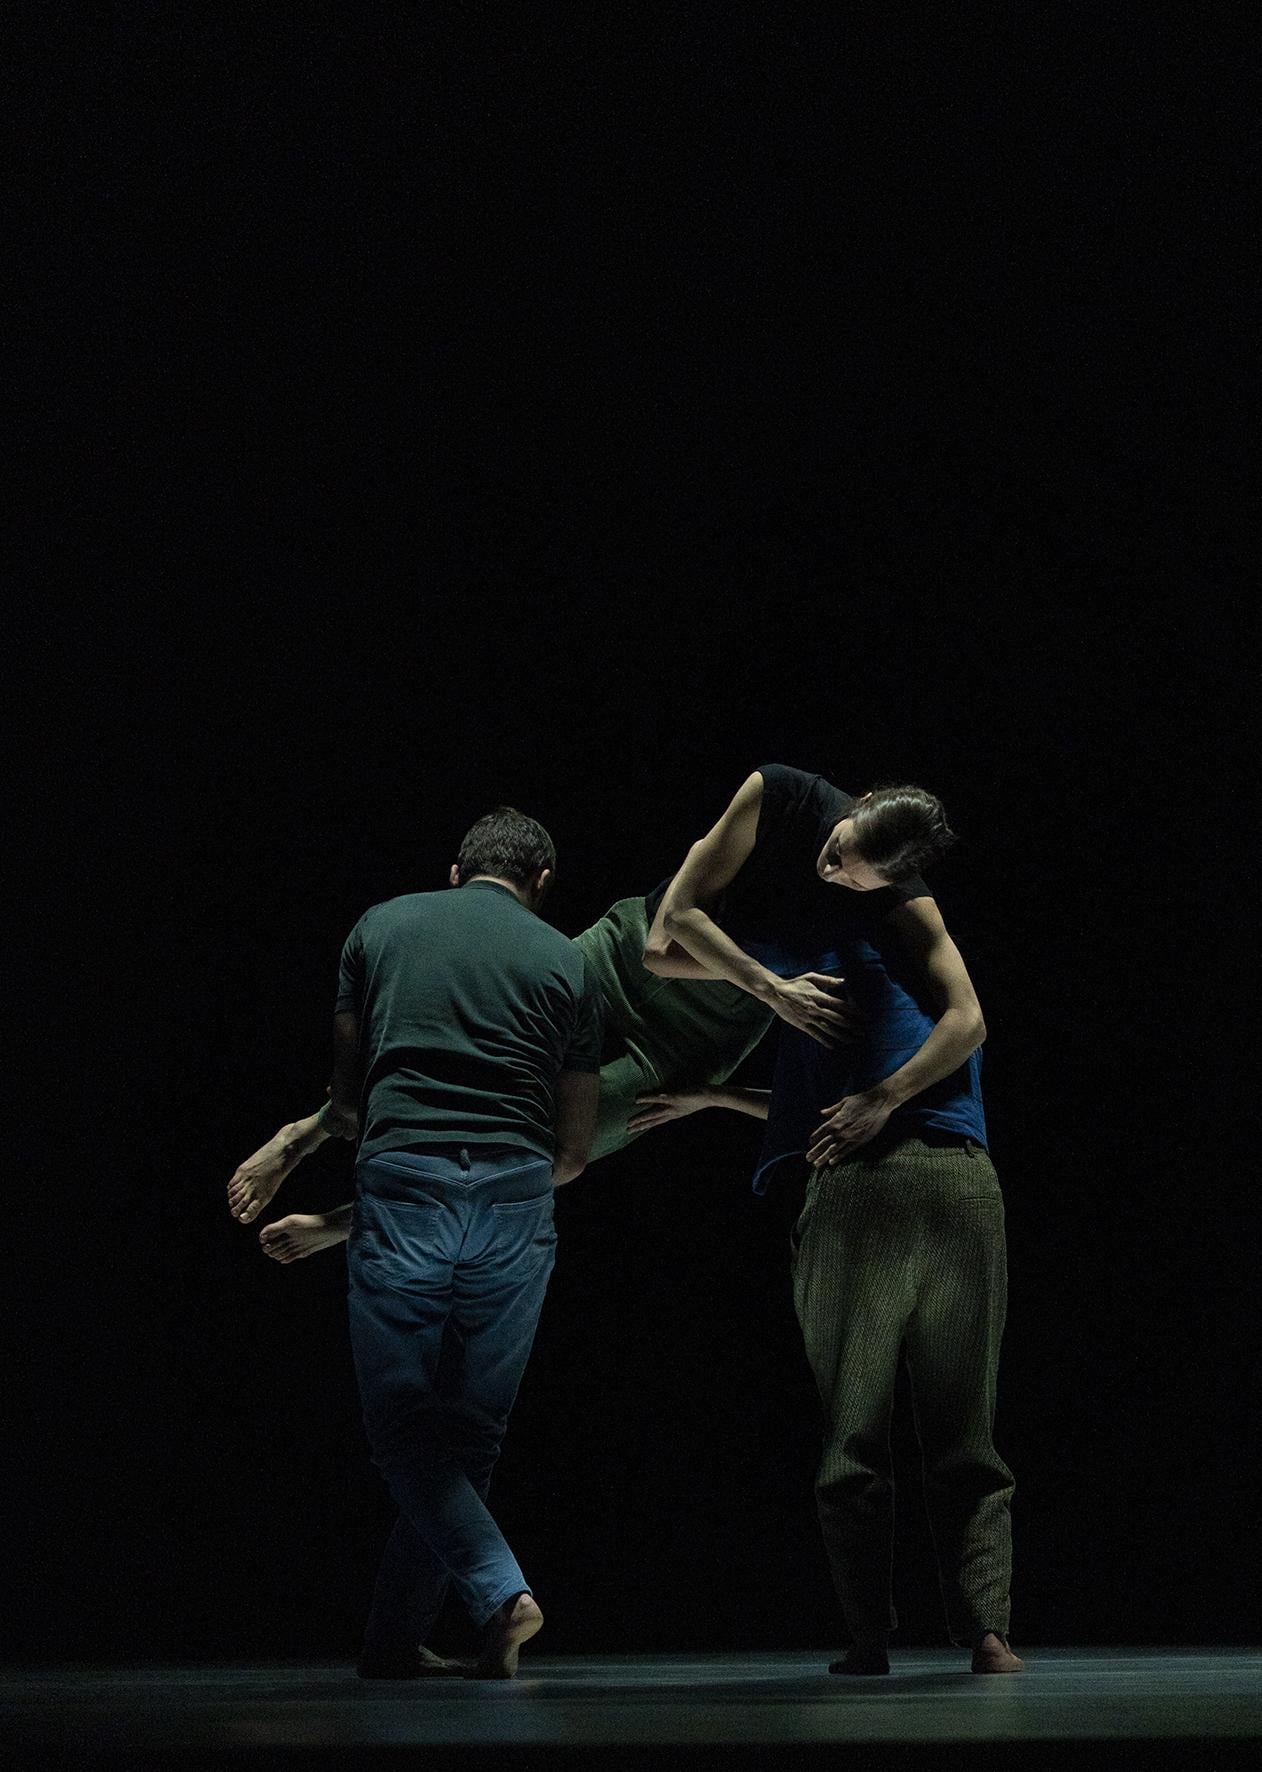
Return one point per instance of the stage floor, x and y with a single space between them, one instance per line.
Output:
1070 1706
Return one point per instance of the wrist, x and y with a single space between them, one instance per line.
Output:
765 986
891 1092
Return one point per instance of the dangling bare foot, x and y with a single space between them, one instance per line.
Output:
506 1630
302 1233
255 1181
871 1656
993 1656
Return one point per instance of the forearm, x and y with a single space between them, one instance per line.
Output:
347 1076
755 1102
954 1039
716 954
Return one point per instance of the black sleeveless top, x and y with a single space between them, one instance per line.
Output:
778 901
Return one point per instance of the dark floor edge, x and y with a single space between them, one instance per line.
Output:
998 1755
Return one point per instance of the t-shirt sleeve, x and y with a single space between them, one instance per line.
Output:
583 1051
350 977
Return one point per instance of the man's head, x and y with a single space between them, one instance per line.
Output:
508 846
888 835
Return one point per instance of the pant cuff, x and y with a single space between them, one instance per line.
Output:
509 1593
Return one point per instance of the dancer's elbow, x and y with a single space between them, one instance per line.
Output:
567 1167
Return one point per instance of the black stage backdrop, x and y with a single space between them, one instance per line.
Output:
433 407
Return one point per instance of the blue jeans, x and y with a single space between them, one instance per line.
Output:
449 1258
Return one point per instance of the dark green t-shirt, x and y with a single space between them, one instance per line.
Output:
469 1005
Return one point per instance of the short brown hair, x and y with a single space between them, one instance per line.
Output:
507 844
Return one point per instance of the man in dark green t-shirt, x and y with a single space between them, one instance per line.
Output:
467 1037
468 1008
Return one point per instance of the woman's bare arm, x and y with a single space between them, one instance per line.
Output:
809 1002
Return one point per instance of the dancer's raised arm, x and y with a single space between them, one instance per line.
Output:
686 942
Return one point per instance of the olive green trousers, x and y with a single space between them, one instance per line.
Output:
900 1249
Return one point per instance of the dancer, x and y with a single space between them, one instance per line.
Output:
655 1033
900 1245
469 1032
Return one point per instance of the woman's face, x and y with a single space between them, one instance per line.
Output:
840 863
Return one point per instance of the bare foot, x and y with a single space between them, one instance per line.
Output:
255 1181
993 1656
863 1658
302 1233
436 1667
506 1630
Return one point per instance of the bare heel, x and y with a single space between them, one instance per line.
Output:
515 1622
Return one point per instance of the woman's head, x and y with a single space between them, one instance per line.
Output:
888 834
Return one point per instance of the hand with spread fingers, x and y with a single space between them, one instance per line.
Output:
849 1123
816 1003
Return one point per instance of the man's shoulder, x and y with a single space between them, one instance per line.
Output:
562 949
544 951
406 903
408 907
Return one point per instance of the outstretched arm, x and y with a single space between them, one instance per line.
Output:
660 1105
